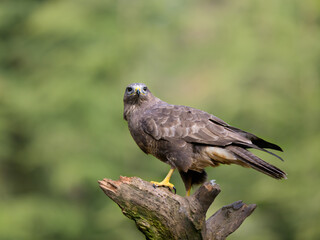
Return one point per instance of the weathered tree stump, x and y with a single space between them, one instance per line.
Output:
161 214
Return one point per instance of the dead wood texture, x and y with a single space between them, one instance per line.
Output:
160 214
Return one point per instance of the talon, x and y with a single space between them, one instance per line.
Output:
168 185
165 182
171 189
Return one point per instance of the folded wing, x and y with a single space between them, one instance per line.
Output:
171 122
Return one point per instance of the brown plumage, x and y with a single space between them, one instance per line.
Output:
189 139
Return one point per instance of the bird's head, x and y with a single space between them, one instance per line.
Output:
136 93
136 96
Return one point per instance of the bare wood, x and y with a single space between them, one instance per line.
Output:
160 214
228 219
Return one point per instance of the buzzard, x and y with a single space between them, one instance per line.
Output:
189 139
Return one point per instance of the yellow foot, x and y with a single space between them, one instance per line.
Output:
164 184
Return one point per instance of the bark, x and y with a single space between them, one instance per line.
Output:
161 214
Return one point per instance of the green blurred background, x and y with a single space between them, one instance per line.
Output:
64 66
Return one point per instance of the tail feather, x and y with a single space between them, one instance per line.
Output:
246 145
261 143
256 163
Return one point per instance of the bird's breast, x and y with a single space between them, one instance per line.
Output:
142 139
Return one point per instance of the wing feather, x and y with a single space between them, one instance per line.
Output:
171 122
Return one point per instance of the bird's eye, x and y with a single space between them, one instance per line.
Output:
145 89
129 89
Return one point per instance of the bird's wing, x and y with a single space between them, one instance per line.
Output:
171 122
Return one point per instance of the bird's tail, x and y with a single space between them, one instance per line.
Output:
256 163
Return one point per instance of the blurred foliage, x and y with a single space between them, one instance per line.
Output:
64 66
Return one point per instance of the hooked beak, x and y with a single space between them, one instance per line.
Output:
138 91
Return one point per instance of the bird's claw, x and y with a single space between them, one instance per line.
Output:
169 186
175 190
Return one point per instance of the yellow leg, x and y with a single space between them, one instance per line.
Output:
188 192
166 181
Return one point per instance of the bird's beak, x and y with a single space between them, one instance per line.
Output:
138 91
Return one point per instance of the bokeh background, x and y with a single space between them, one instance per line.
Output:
64 66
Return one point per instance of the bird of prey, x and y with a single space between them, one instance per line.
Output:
189 139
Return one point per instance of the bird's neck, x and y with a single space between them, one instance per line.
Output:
131 109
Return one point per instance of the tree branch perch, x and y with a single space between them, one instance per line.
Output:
160 214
